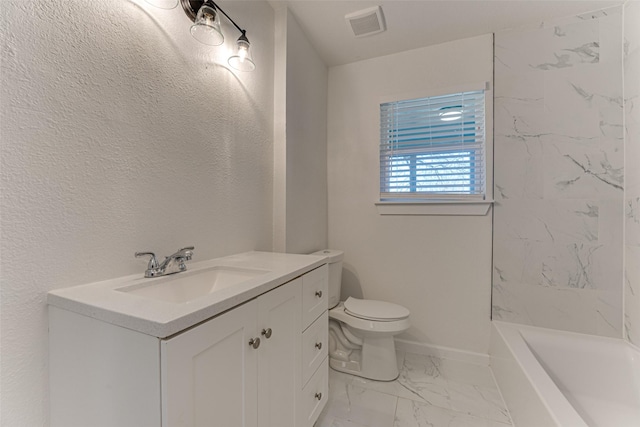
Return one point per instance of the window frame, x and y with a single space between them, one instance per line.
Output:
449 204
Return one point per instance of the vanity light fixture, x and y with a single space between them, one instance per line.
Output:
205 15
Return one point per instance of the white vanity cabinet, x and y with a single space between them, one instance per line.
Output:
215 377
211 374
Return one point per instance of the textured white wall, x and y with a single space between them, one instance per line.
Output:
559 167
632 172
437 266
119 133
306 144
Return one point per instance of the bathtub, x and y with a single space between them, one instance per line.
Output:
555 378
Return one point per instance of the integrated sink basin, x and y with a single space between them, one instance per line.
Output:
192 285
166 305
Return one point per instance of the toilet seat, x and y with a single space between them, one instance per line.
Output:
378 311
368 326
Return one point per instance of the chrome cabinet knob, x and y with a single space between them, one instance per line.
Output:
254 342
319 345
319 294
266 333
319 396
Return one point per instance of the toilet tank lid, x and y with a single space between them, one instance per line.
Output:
375 310
332 255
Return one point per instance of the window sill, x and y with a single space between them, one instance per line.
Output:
440 207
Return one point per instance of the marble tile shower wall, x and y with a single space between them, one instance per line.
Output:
559 160
632 176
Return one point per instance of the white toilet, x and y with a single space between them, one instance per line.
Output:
361 331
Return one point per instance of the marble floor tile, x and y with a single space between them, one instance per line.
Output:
425 385
448 370
410 413
328 421
357 406
443 392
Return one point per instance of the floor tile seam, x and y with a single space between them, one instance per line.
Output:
395 412
333 418
504 402
380 386
415 395
466 414
449 359
444 376
439 381
452 407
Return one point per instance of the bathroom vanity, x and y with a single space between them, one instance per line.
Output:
239 341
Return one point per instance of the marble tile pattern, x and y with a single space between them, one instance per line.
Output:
429 392
631 74
559 174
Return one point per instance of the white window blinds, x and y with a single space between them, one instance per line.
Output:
433 148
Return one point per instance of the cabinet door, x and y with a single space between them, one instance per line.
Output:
209 373
279 362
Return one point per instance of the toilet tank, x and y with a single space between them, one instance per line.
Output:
334 259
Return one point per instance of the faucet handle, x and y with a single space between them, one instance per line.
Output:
186 253
153 261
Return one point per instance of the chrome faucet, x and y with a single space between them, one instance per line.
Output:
171 264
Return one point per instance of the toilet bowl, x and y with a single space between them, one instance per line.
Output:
361 332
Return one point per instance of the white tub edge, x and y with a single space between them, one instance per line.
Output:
530 395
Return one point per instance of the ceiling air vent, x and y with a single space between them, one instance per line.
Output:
366 22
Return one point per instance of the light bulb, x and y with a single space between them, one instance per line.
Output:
242 53
242 60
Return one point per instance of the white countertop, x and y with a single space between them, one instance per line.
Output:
104 300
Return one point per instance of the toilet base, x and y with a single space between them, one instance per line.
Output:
376 361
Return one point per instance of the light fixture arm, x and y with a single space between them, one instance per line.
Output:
228 17
191 8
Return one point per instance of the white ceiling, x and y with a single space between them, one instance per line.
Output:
418 23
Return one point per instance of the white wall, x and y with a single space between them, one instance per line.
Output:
437 266
307 81
632 172
119 133
559 168
300 193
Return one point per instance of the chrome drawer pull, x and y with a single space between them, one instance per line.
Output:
319 396
267 333
319 345
319 294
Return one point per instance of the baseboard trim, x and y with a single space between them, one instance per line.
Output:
442 352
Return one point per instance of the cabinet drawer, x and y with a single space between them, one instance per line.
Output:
315 286
315 341
315 395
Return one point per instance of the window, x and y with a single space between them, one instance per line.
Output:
433 148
